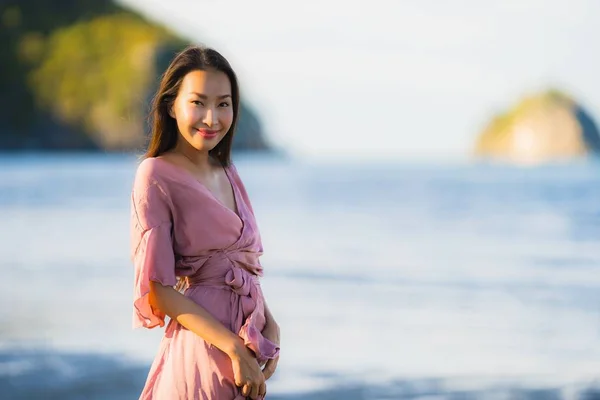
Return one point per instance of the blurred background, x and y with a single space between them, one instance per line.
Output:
424 174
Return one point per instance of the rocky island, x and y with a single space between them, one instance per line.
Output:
544 127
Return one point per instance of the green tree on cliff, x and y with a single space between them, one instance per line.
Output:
80 73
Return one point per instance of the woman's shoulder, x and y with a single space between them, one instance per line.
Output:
150 170
233 172
150 173
148 167
231 167
239 182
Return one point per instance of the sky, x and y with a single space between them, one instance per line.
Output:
392 79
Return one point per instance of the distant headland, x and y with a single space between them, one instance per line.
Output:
79 75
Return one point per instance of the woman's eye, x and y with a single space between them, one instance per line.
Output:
196 102
224 104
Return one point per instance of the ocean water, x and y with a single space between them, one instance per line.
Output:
389 280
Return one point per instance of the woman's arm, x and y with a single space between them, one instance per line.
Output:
195 318
271 332
269 317
247 372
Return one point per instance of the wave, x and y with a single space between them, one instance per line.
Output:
52 375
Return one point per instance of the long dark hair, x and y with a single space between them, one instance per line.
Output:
164 132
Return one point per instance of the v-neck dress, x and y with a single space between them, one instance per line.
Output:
180 229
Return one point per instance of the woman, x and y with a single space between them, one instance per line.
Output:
193 227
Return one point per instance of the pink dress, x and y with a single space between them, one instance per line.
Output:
179 228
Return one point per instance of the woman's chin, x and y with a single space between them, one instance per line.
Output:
204 145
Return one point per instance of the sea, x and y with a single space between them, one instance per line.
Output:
389 279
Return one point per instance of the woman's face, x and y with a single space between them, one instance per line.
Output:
203 109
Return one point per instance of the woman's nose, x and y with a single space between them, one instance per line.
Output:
209 118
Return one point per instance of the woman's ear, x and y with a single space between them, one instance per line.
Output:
171 113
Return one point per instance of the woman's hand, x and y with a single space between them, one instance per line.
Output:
247 373
272 333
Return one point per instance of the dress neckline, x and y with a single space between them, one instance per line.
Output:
237 212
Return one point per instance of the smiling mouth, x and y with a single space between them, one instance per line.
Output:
207 133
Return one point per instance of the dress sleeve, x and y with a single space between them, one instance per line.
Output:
152 248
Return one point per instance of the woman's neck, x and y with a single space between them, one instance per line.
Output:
201 160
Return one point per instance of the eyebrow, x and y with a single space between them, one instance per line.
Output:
203 96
